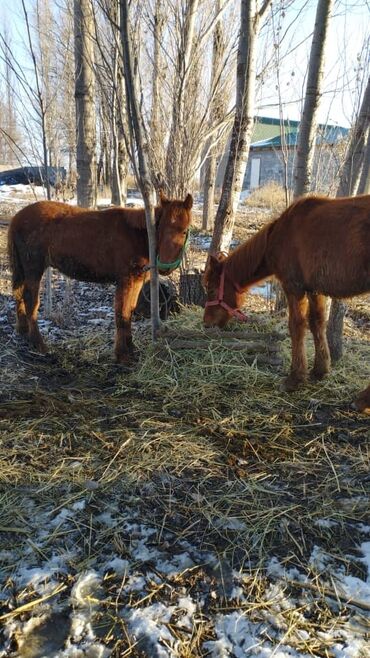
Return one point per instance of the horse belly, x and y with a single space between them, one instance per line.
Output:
76 269
335 280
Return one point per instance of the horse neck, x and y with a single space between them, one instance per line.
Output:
248 264
135 217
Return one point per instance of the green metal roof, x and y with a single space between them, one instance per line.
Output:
267 133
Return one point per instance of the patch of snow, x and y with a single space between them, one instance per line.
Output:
230 523
63 516
274 568
148 626
119 566
79 505
176 565
39 578
319 560
326 523
134 202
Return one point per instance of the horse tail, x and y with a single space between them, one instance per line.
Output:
15 261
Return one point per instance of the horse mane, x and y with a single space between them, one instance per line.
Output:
244 261
309 203
133 217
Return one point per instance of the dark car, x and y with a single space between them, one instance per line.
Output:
35 175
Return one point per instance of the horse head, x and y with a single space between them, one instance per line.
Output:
223 294
173 232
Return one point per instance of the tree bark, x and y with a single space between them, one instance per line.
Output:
250 22
142 170
85 103
351 172
364 184
308 123
174 180
210 165
156 118
349 180
43 121
120 155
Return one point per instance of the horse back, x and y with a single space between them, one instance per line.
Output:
323 245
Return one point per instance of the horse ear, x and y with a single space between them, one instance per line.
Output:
162 197
188 203
215 261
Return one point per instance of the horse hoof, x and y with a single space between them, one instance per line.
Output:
41 348
318 375
291 383
126 360
21 329
363 406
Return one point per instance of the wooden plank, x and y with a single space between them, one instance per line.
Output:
238 345
214 333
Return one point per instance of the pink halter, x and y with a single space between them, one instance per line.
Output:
235 312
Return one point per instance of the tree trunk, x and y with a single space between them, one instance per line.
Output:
43 118
357 155
174 179
243 123
120 156
156 118
210 165
308 123
351 172
85 103
364 184
334 330
143 174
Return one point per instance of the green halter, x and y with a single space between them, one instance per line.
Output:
175 263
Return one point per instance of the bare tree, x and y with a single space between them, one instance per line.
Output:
42 106
137 131
251 16
118 119
364 184
308 123
66 103
156 115
216 110
184 57
174 62
8 121
351 172
85 103
357 157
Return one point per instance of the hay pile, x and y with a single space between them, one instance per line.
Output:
196 452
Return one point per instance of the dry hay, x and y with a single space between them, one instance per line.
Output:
204 447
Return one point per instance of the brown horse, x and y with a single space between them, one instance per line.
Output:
317 247
102 246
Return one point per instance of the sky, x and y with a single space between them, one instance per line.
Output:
349 30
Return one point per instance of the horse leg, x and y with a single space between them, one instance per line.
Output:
21 325
362 402
126 298
32 302
298 305
18 279
317 322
